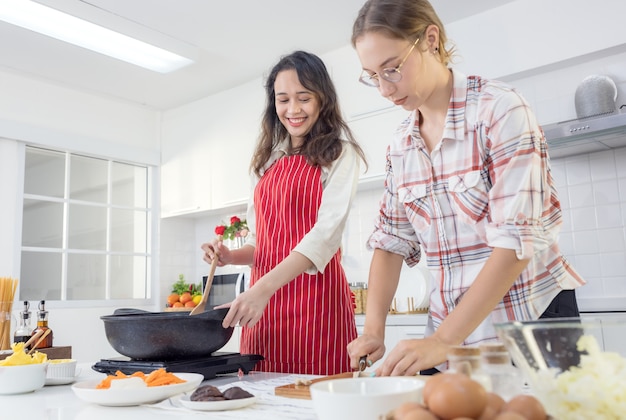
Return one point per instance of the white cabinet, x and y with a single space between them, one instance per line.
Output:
371 117
397 328
206 150
374 132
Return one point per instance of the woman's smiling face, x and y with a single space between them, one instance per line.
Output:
297 107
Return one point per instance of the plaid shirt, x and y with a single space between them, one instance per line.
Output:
486 184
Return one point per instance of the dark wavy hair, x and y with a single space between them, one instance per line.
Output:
323 144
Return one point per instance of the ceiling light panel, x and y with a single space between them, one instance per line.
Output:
65 27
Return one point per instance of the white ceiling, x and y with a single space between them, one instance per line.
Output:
234 42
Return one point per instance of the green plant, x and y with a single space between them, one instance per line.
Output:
181 286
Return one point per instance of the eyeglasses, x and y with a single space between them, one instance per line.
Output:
391 74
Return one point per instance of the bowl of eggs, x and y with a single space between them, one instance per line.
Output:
454 395
575 366
363 398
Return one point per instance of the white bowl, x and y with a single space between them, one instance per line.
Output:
22 378
61 371
363 398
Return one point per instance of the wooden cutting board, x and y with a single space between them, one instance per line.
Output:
302 391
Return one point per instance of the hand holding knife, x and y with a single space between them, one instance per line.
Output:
363 364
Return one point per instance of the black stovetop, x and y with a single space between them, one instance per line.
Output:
210 366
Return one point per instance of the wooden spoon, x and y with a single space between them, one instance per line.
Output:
200 307
45 334
32 339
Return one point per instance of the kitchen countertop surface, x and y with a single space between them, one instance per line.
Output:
60 403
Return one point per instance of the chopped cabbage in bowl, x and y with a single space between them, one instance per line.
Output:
596 389
575 366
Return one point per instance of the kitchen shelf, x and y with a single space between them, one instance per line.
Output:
571 146
594 134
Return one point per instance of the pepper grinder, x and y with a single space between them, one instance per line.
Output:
42 325
23 332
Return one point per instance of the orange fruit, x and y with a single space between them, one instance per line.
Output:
177 305
185 297
172 299
190 304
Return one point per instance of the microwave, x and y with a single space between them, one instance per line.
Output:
226 287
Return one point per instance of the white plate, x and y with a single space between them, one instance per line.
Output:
216 405
60 381
127 397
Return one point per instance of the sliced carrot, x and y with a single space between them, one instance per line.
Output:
157 377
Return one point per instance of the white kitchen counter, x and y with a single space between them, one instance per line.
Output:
60 402
397 319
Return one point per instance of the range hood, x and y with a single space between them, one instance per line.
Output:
592 134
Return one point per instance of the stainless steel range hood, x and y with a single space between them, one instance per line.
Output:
587 135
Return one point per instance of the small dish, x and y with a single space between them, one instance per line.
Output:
61 371
87 391
216 405
60 380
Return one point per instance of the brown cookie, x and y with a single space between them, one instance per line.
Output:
207 393
236 393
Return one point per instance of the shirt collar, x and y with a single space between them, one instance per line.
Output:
455 119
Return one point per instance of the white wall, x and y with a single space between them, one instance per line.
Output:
37 112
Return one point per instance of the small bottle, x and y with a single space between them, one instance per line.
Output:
23 332
466 360
42 325
506 379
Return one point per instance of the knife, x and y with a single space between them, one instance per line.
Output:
362 366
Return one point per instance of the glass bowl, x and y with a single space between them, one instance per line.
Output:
575 366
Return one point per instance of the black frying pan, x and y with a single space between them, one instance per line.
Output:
162 336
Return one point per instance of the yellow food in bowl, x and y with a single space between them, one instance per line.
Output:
57 361
19 357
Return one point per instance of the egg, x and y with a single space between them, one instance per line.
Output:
411 411
526 405
454 395
509 415
494 406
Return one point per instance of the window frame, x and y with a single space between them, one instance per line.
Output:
150 285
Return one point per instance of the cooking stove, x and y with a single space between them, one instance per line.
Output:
216 364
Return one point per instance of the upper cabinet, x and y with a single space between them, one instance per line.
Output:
206 150
373 132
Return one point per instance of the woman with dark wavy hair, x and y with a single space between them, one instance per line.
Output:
298 312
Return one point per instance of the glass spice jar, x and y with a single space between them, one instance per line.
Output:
467 360
506 379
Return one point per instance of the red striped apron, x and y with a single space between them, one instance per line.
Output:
308 323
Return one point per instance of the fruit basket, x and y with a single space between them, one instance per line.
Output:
183 296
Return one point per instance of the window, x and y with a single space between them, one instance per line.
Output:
85 228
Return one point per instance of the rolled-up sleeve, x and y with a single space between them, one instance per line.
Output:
393 232
525 211
340 184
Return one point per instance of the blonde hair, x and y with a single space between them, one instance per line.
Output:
401 19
